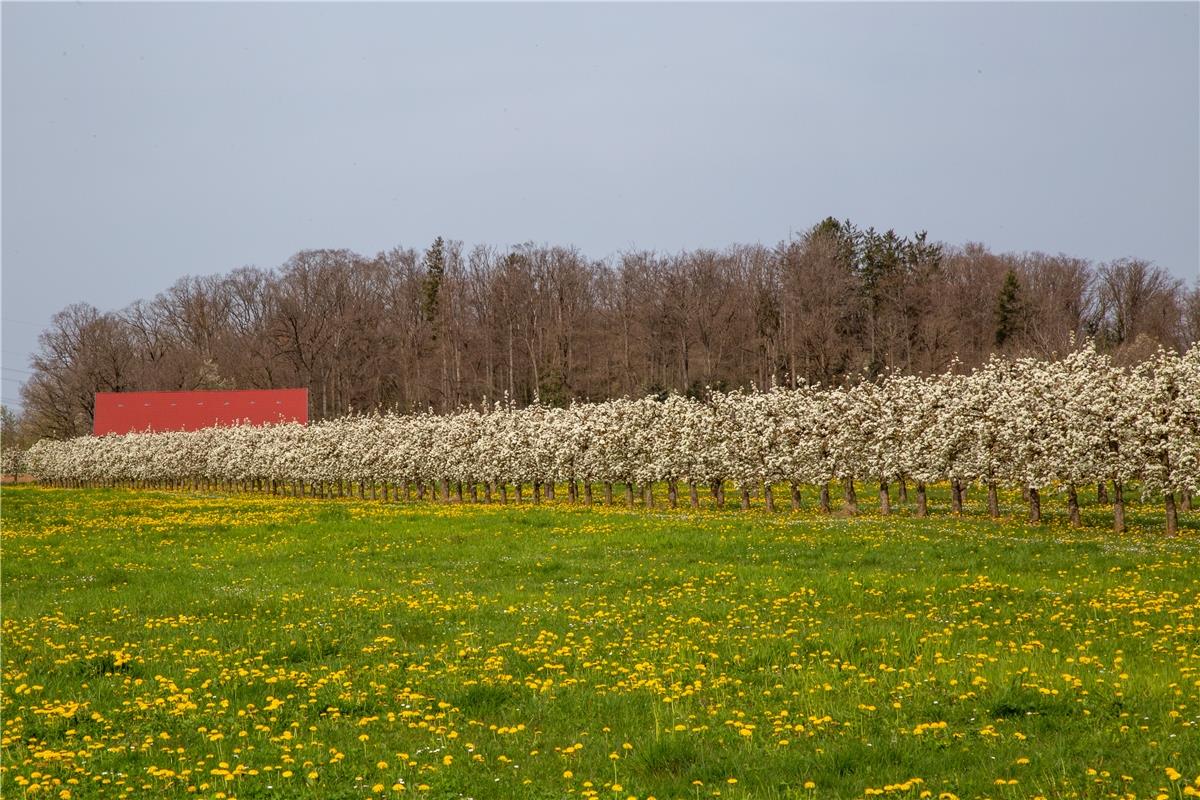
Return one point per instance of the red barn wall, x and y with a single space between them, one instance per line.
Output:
123 412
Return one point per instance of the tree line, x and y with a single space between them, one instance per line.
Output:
449 325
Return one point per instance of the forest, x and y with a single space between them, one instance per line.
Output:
449 326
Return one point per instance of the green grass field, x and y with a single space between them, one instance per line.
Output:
172 645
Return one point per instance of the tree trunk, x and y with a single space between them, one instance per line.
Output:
795 495
885 499
850 499
1035 506
572 491
519 490
458 492
474 492
445 490
1101 493
587 493
714 489
628 494
550 490
504 494
673 494
993 500
922 500
956 496
1073 506
648 495
608 500
1118 507
903 490
1172 516
769 497
693 494
537 492
824 498
1185 500
745 494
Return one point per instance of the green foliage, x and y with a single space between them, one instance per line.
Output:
844 237
553 390
435 272
1009 311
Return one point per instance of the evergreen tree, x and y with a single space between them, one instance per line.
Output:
1009 309
844 235
435 271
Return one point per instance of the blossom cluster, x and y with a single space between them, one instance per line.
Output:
12 461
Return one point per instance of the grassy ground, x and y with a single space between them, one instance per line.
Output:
178 644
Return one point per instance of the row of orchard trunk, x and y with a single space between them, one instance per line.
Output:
447 491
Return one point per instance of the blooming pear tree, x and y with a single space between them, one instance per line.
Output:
1029 424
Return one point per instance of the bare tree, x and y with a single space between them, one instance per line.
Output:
1138 299
81 353
820 292
1191 316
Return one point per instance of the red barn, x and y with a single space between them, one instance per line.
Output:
123 412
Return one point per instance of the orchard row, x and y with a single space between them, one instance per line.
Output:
1037 425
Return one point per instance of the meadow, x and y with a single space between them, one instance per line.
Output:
186 644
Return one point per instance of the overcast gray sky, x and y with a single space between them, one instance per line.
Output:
143 142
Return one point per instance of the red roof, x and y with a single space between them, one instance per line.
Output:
123 412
